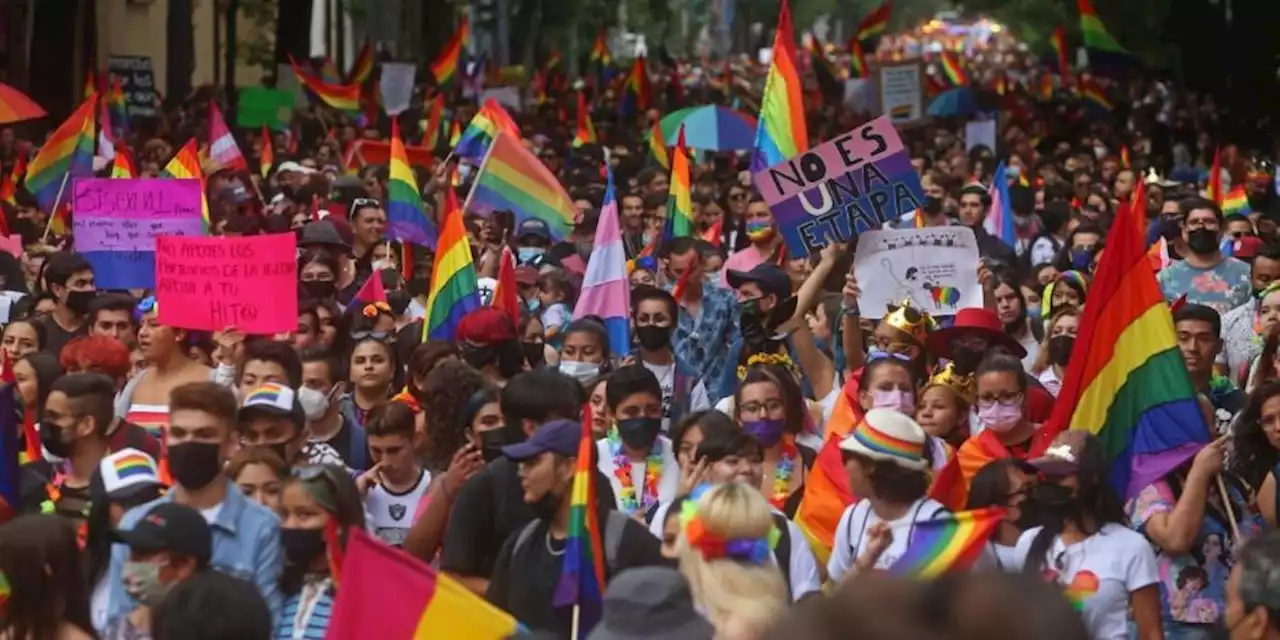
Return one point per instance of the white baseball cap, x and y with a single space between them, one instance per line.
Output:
126 472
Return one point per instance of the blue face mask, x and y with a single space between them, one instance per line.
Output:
530 255
1081 259
532 304
1033 313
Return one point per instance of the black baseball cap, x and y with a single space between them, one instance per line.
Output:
170 526
559 436
772 280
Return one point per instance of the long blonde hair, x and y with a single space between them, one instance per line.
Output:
733 590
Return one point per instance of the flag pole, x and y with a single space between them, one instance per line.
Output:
57 202
466 205
577 614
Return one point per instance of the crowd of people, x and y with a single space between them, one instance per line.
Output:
184 484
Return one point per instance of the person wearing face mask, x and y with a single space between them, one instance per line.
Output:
889 383
335 240
585 351
528 567
70 280
1205 276
770 408
394 487
200 438
488 341
271 416
167 547
1060 339
640 463
974 204
653 316
707 322
326 423
766 243
533 236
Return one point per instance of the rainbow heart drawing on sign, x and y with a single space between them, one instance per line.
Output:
851 184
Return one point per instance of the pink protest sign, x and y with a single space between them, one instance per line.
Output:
127 215
212 283
864 145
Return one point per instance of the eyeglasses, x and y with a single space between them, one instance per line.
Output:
380 336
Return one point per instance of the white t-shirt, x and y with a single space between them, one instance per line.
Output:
668 483
1028 342
851 534
698 399
390 515
1098 574
211 514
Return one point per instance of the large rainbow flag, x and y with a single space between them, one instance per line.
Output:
679 198
606 292
454 291
1105 53
185 165
343 97
582 571
781 132
1126 381
483 128
387 593
445 67
513 179
68 153
947 543
873 26
406 219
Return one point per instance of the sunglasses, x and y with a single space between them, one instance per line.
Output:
365 202
379 336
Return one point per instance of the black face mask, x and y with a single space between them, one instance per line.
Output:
510 358
418 286
1052 502
751 321
78 301
492 442
301 546
1060 349
653 337
546 507
534 353
318 289
478 357
51 438
639 433
1202 242
195 464
966 361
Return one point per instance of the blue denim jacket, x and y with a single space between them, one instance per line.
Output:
246 544
705 344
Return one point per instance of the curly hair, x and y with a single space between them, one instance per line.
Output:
448 387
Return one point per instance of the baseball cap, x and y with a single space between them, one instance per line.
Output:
772 280
170 526
526 275
127 472
534 227
1063 456
272 399
486 326
290 165
1246 248
558 436
650 602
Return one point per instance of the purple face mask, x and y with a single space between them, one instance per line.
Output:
897 400
1000 417
766 432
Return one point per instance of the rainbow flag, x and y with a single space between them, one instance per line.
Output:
1105 53
445 67
222 145
947 543
9 187
858 61
582 571
362 66
388 593
636 90
513 179
454 292
873 26
117 107
679 201
483 128
1093 96
1125 162
185 165
781 131
826 488
267 153
552 62
953 69
455 134
999 220
1214 186
1059 59
406 219
66 154
1126 381
586 134
1046 87
15 106
9 455
658 147
435 115
122 167
343 97
600 53
90 84
1236 202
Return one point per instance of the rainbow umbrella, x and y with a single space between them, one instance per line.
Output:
15 106
710 128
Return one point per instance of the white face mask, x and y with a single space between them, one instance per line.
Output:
314 403
581 371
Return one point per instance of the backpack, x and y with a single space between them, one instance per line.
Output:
614 525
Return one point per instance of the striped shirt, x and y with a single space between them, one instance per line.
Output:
306 614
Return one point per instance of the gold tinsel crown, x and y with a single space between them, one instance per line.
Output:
966 386
909 320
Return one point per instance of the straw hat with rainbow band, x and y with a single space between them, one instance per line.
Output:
885 434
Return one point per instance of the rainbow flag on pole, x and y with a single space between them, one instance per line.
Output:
267 153
66 154
582 571
343 97
606 292
1236 202
483 128
636 92
513 179
858 61
185 165
953 69
658 147
586 134
362 66
9 188
222 145
1105 53
454 291
1126 381
122 167
445 67
781 132
873 26
947 543
406 218
679 201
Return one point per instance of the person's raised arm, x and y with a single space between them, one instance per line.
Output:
427 533
851 339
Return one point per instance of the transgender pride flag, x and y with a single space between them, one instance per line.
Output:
999 222
605 290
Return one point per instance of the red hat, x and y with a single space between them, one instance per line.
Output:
486 326
973 321
1246 248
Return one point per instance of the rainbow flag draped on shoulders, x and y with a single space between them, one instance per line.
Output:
1126 381
679 199
66 154
582 572
511 178
406 219
454 291
781 132
950 542
483 128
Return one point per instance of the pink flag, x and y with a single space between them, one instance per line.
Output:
371 291
606 291
222 145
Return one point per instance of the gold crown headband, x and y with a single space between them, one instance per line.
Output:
966 386
909 320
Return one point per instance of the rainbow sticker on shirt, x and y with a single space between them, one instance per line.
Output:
1082 587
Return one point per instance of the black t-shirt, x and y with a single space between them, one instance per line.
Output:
486 511
524 583
56 337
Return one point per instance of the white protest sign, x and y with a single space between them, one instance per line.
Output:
936 268
396 84
901 88
978 132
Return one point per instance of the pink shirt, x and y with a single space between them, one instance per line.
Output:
744 260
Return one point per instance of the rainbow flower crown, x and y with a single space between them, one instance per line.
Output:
712 546
780 359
